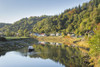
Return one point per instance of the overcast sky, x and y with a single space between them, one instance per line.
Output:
13 10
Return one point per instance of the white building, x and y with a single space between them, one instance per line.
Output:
43 34
58 34
71 34
52 43
52 34
58 44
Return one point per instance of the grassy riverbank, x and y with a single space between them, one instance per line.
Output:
81 42
66 40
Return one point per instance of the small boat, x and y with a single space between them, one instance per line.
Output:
30 49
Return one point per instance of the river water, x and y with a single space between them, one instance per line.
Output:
44 55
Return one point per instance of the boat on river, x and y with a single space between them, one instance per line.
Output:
30 49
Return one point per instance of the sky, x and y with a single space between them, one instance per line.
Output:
14 10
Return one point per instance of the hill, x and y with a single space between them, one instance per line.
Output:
77 20
4 24
23 25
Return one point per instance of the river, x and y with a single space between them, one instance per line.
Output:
45 55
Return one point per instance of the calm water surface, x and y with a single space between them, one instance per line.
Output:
44 56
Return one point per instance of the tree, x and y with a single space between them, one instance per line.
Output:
84 6
96 2
26 33
95 43
7 33
20 32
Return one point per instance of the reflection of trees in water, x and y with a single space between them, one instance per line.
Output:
7 48
68 56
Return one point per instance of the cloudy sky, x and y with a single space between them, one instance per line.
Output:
13 10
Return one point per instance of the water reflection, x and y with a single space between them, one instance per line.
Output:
50 43
68 56
16 59
45 56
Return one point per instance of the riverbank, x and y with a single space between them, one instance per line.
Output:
66 40
14 43
81 42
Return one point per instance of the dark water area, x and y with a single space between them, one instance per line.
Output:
45 55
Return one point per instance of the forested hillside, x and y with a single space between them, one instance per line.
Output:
77 20
4 24
23 26
26 23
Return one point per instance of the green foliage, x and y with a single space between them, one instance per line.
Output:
21 26
3 25
77 20
95 44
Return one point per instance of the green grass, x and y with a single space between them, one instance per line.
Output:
9 38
